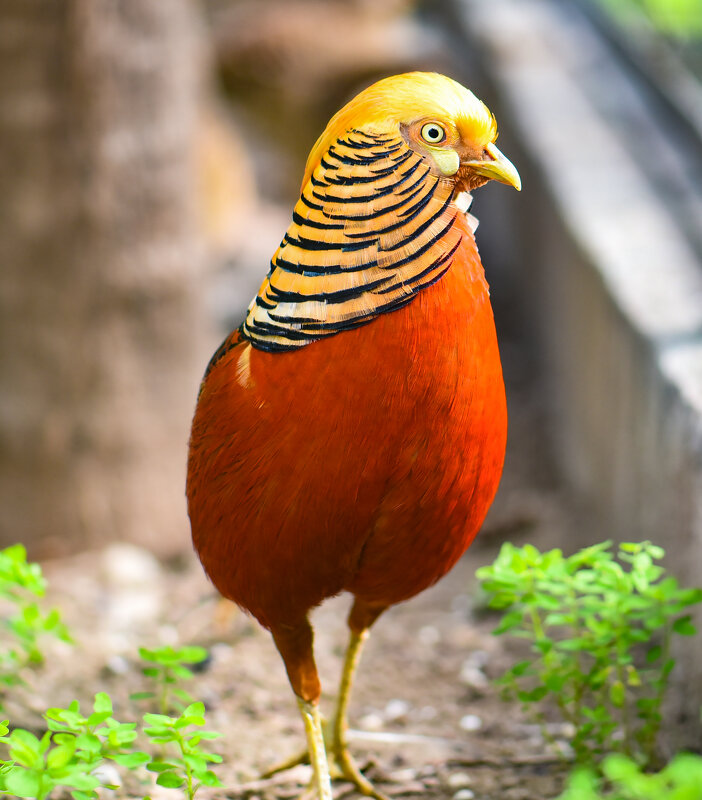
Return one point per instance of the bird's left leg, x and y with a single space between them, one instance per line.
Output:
362 616
294 642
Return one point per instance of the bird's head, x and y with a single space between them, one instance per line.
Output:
440 119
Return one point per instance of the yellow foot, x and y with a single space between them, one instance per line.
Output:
340 759
342 767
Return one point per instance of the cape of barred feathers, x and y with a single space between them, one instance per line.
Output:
373 227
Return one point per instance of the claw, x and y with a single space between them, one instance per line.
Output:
341 767
283 766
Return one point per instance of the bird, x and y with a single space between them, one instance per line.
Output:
349 435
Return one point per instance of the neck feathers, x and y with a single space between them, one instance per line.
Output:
372 228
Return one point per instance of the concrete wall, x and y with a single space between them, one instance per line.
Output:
611 285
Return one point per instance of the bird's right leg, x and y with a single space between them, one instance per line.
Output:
362 616
294 644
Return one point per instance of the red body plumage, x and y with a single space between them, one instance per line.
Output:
365 461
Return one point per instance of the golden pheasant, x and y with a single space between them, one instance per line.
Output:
350 435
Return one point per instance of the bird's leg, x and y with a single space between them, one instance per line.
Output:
295 646
362 616
300 665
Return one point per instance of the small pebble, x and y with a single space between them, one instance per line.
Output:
168 635
371 722
478 658
427 713
471 722
396 709
409 788
117 665
403 775
221 652
564 749
464 794
108 776
456 780
460 604
473 676
302 773
429 635
127 565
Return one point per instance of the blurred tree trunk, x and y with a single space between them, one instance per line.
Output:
100 313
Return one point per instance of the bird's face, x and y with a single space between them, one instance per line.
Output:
440 119
458 153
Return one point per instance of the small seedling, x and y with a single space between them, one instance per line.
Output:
21 586
624 779
189 766
69 753
600 631
169 668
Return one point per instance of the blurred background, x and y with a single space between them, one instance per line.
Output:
150 156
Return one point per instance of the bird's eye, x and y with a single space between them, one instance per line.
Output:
433 133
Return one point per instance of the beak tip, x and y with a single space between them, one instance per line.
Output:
499 168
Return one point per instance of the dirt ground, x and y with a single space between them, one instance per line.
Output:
425 718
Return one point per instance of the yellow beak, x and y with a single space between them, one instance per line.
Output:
497 167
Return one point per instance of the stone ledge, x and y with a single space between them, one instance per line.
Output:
610 282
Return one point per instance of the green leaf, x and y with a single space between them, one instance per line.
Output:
103 703
98 717
654 653
617 694
196 762
208 735
142 695
80 779
60 756
209 779
88 742
509 621
184 721
131 760
192 654
170 780
25 748
684 626
151 672
23 782
78 795
157 765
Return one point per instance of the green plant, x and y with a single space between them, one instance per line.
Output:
680 19
624 779
21 585
168 668
74 748
69 753
72 753
600 630
188 764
